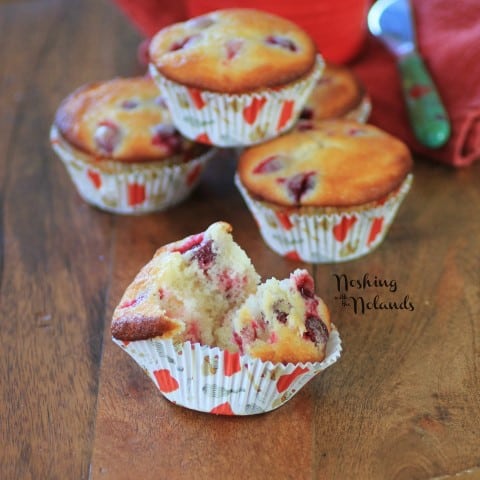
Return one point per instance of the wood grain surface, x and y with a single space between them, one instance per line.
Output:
403 402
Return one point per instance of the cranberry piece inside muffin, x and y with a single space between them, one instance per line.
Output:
233 47
299 185
166 135
188 288
130 104
184 42
270 164
107 137
282 42
283 321
317 331
305 285
306 114
204 255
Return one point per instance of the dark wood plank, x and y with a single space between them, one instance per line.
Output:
408 384
55 251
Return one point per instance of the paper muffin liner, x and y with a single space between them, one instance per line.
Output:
230 120
130 188
361 112
213 380
325 235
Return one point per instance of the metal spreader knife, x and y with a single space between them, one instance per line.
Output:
392 22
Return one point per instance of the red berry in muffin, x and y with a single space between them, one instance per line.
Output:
201 278
283 321
282 42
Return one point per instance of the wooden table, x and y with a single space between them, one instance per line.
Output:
403 402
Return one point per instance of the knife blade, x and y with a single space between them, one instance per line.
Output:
392 22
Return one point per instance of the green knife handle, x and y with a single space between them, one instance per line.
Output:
428 116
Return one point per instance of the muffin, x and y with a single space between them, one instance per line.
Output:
187 289
328 193
188 320
119 145
338 93
283 321
234 77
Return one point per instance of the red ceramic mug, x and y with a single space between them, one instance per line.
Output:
337 26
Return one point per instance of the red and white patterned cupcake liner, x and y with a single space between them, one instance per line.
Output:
325 235
213 380
127 188
233 120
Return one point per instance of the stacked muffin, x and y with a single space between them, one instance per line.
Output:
338 93
320 192
327 192
239 78
119 145
234 77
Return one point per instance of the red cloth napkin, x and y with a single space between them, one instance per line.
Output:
448 35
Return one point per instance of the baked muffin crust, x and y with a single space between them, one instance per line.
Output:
336 163
336 93
122 119
186 289
233 51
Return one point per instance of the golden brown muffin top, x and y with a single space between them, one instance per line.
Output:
186 289
336 163
122 119
284 321
233 51
336 93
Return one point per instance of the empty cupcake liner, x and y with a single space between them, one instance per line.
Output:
213 380
325 235
230 120
129 188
